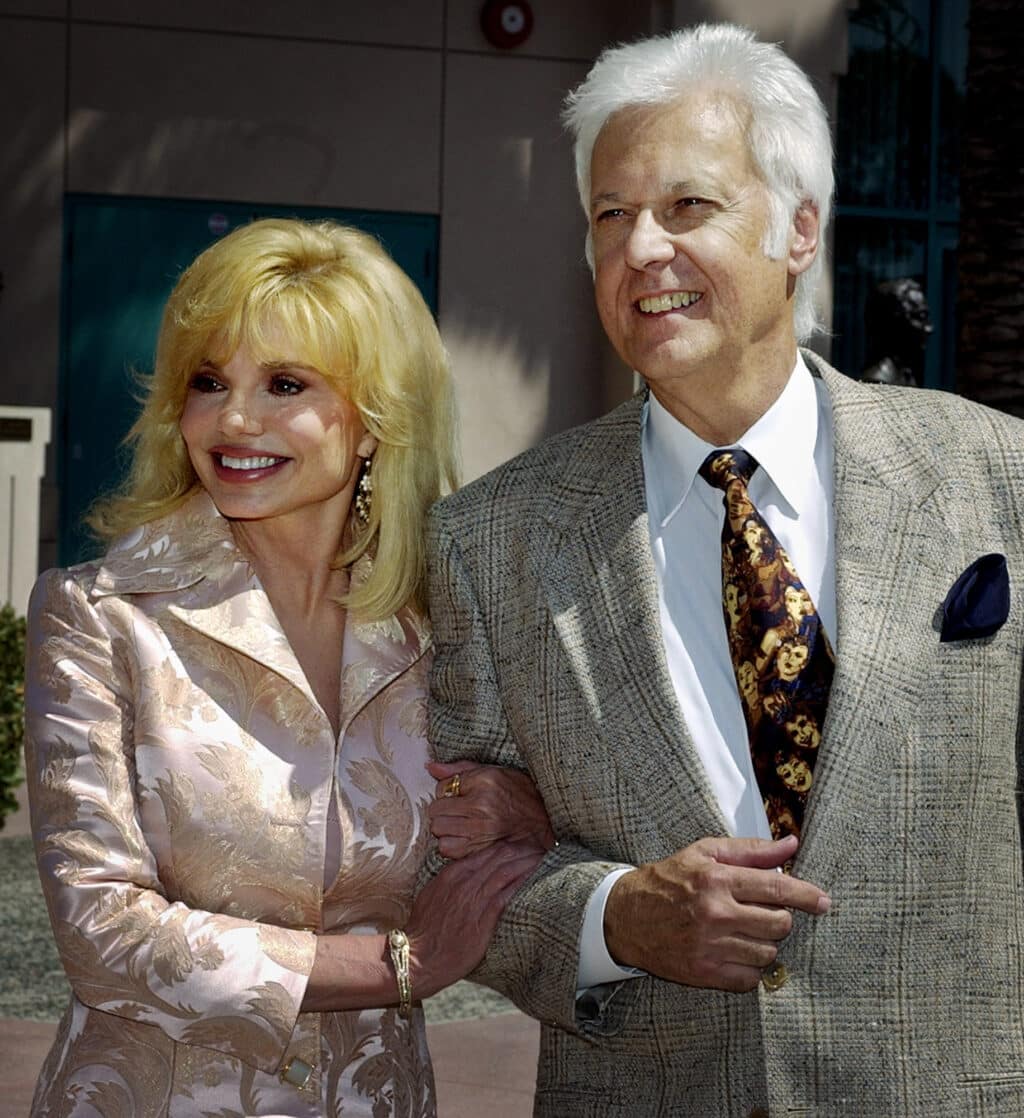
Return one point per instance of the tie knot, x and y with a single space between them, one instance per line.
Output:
721 467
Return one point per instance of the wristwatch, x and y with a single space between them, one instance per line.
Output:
398 945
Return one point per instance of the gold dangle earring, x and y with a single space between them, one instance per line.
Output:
364 492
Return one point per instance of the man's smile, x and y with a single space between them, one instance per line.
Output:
668 301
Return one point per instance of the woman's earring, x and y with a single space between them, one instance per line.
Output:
364 492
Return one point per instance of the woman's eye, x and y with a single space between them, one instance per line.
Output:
282 385
205 382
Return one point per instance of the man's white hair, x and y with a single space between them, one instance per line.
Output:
788 130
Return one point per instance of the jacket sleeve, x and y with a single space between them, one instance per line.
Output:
203 978
534 955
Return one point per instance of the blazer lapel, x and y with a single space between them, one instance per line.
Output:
601 588
892 563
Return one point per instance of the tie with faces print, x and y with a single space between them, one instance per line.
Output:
780 651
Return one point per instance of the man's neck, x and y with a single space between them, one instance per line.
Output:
720 404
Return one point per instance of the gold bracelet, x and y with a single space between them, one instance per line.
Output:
398 945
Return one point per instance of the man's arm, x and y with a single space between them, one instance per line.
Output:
709 915
534 955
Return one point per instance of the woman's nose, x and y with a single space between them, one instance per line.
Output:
238 417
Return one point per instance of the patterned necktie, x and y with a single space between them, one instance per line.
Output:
780 651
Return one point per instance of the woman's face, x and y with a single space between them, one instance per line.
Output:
270 440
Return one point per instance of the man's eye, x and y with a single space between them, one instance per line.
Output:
608 215
283 385
205 382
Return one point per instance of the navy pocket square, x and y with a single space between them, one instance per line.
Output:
978 602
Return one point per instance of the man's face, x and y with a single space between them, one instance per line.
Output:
678 219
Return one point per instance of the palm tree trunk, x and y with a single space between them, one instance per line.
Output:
990 361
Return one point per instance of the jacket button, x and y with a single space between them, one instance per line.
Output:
759 1112
774 977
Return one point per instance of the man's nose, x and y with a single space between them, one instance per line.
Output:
648 242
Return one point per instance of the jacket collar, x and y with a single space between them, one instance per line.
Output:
180 550
191 555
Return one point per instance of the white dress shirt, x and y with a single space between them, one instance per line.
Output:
792 489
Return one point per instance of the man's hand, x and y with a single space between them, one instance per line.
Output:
492 804
710 915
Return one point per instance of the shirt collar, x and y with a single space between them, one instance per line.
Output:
782 441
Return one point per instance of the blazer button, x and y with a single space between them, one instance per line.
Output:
758 1112
774 977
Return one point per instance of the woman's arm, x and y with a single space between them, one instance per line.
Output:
203 978
449 928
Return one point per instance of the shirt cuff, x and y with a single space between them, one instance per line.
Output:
596 964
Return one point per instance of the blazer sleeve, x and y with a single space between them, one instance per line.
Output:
533 958
203 978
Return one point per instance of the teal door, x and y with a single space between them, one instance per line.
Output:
122 256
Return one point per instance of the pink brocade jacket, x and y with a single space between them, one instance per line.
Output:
196 823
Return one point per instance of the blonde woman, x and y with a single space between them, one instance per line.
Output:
226 713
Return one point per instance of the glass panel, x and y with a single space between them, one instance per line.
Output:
945 311
884 117
952 82
869 251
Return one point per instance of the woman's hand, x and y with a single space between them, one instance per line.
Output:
491 803
455 914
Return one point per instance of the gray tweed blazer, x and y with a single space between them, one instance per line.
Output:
908 998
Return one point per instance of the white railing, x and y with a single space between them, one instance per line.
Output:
24 434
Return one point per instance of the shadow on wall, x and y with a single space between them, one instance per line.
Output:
804 27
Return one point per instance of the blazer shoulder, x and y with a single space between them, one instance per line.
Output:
928 424
573 462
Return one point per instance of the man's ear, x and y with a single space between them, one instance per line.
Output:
803 241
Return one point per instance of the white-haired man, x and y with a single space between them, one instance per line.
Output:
755 620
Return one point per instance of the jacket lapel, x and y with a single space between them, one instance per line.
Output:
601 588
237 613
376 652
190 555
892 563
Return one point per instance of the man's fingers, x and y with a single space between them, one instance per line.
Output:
736 978
763 885
760 854
441 770
780 890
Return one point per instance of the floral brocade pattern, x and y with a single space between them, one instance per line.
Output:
196 823
779 649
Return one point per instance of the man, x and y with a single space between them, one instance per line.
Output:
598 617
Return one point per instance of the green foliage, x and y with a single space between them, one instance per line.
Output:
12 707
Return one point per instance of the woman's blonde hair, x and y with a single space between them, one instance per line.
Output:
352 314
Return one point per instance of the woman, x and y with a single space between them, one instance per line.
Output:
226 714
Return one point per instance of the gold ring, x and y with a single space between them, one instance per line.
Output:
452 786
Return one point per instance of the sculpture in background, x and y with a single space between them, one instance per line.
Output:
898 326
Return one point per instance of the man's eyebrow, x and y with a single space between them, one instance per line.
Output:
608 196
680 186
